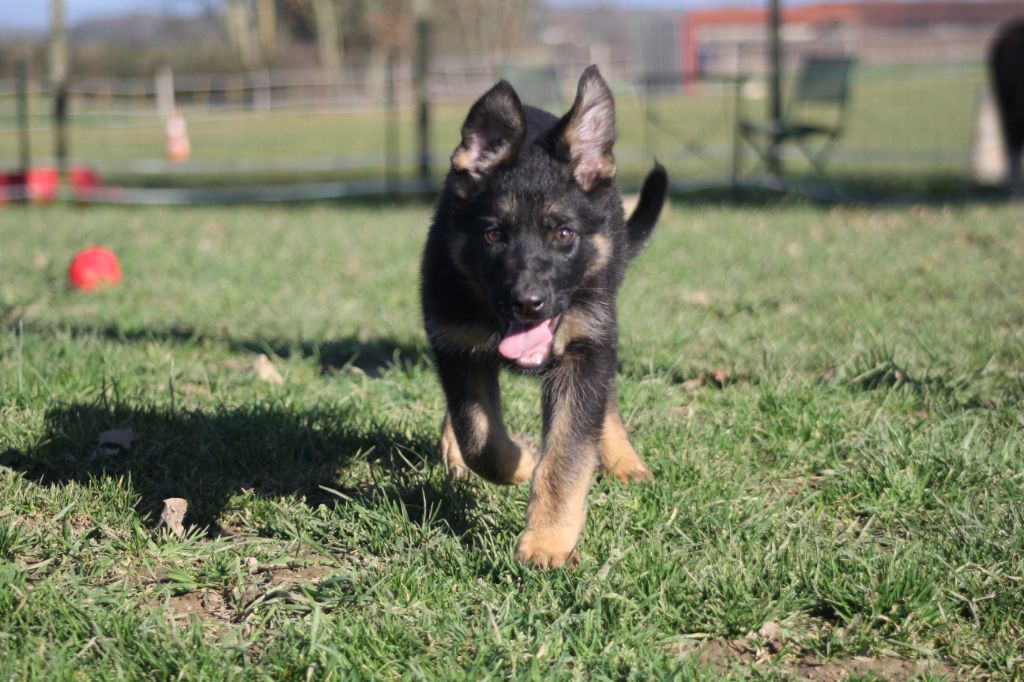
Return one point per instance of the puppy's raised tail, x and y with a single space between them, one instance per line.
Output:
648 208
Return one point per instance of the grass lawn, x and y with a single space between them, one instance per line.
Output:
829 400
902 122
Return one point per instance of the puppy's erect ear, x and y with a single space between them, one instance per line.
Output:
587 131
491 136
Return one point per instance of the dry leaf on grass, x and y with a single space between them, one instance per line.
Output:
266 371
173 515
697 298
695 383
115 442
717 378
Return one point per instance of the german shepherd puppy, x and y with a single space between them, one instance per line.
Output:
522 263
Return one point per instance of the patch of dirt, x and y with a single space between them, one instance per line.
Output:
296 576
717 654
211 607
78 523
207 605
882 667
722 655
271 583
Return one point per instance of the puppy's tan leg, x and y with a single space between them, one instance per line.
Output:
556 512
473 436
618 457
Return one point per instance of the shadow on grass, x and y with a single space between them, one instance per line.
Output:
208 457
878 370
372 356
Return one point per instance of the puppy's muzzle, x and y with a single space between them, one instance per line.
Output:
529 304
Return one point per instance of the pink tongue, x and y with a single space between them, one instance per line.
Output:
521 341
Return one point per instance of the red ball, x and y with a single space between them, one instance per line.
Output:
92 268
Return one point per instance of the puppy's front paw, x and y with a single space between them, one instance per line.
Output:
548 548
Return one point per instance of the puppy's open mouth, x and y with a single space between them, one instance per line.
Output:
529 345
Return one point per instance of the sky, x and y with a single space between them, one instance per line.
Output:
34 14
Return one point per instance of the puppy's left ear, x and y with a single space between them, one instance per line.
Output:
587 131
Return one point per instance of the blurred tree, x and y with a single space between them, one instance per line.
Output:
327 34
233 35
390 23
266 22
240 27
492 27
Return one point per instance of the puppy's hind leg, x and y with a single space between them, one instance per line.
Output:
618 457
451 455
473 436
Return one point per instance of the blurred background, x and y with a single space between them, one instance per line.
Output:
167 101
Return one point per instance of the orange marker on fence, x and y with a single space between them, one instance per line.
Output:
178 146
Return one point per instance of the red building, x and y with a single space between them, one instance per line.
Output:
734 40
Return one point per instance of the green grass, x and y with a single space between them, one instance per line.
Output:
829 399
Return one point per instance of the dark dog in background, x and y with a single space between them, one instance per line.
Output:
527 250
1006 67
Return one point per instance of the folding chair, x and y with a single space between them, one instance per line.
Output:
815 110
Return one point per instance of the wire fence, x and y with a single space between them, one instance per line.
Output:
357 133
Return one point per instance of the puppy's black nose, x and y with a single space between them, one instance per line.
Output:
528 304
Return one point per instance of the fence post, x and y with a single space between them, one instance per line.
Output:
165 92
423 95
391 158
775 99
59 81
25 154
262 93
60 117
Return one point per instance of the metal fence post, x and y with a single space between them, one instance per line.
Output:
59 81
775 99
423 96
25 152
391 154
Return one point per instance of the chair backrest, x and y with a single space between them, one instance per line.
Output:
823 80
536 85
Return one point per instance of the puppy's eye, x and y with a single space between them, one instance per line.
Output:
494 235
564 235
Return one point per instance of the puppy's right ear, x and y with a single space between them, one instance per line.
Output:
491 136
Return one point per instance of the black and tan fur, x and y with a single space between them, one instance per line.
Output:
530 232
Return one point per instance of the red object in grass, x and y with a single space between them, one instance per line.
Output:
93 268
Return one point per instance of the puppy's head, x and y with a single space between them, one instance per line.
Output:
536 209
